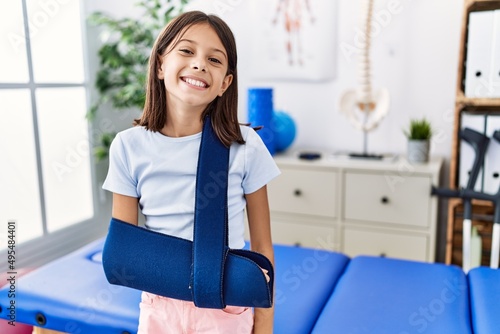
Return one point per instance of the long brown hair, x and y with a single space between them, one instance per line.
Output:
223 110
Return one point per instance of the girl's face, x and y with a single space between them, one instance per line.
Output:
194 70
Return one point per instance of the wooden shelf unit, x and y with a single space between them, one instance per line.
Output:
482 210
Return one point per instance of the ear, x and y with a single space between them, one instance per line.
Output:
225 84
159 71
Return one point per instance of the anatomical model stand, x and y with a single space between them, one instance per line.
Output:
371 106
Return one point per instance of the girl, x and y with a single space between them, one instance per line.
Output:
192 73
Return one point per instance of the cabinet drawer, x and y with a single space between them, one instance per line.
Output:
312 236
382 243
387 199
307 192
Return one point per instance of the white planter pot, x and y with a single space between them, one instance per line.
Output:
418 151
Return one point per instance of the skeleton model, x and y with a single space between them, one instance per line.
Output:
365 108
292 12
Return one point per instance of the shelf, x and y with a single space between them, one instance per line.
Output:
461 99
481 209
457 201
493 103
480 5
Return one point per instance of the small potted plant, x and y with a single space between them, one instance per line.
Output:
419 134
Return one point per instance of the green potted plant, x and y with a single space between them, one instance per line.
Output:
419 135
124 54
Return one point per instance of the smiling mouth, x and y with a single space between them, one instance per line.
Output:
194 82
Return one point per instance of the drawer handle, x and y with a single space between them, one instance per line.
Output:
496 175
383 255
297 192
297 244
384 200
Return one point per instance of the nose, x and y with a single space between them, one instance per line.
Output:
199 65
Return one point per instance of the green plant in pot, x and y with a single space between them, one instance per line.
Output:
419 135
123 56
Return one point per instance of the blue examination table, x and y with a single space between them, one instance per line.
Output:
316 292
380 295
484 286
72 295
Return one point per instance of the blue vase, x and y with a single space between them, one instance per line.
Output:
260 113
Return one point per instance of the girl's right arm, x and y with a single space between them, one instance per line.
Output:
125 208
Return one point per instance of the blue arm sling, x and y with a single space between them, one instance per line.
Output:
205 271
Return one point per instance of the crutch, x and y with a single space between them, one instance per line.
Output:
479 143
495 199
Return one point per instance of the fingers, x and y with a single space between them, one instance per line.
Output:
266 273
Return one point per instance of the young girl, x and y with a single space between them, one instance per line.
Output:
192 73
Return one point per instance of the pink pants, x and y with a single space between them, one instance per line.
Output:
161 315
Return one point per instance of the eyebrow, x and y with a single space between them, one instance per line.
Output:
193 42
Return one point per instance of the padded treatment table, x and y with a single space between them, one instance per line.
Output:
305 278
381 295
484 285
72 295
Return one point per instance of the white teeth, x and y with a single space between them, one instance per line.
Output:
195 82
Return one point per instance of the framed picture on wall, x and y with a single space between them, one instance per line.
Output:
294 39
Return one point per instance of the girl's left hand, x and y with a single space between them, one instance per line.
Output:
266 273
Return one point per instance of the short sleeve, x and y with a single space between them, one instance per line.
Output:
260 167
119 179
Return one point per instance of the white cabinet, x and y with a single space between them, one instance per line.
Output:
386 242
356 206
370 197
304 194
307 192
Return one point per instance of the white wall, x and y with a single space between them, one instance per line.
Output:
415 57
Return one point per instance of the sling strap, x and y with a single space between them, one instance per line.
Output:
210 237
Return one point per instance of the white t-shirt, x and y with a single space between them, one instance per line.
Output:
161 172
